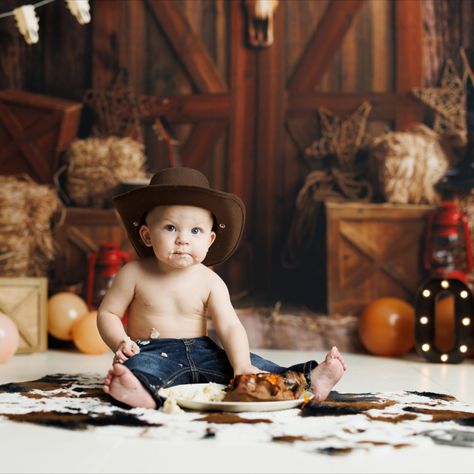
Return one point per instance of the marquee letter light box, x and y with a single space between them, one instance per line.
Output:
425 313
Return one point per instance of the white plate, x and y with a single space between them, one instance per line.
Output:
189 390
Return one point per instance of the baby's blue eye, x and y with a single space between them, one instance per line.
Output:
195 230
170 228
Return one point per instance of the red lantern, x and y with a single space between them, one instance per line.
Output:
103 266
448 252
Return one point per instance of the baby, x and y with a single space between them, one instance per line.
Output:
179 227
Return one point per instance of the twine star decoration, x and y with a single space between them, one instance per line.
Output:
116 109
448 101
342 138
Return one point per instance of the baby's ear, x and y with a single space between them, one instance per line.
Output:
212 237
144 233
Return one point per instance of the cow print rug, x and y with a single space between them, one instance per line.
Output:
343 423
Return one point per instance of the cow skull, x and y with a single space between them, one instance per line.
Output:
260 21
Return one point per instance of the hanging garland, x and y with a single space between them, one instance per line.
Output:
27 21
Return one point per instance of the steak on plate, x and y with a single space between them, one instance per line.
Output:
264 387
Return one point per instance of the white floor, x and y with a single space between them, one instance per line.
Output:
28 448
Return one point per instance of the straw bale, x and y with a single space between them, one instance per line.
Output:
405 166
26 238
98 165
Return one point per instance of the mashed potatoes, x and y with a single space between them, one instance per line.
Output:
209 392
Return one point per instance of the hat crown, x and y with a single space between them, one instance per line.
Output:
179 176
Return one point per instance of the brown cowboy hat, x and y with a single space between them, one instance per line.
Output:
184 186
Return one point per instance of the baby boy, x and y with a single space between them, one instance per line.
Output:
180 226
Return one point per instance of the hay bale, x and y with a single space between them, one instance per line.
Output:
405 166
26 238
97 165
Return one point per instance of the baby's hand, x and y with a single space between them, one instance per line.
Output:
127 348
250 369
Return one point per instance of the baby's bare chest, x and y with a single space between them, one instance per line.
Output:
158 297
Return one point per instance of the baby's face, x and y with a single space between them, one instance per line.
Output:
180 235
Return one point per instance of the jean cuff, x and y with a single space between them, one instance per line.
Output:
150 388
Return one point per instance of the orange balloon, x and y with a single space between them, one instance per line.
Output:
64 309
9 337
387 327
86 336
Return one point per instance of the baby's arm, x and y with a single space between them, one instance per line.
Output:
229 329
111 310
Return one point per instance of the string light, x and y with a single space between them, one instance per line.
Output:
27 20
27 23
80 9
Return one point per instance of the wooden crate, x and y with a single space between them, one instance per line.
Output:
24 300
373 250
81 233
34 130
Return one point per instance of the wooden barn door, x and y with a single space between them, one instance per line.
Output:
356 51
232 106
189 66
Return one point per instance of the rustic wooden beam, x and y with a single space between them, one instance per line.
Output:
133 53
269 154
187 46
384 105
185 108
241 148
200 142
323 45
106 33
409 61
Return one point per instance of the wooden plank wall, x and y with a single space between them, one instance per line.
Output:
243 116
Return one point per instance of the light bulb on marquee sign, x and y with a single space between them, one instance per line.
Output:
425 314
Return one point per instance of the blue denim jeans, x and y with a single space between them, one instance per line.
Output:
167 362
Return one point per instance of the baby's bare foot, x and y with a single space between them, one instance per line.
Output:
121 384
327 374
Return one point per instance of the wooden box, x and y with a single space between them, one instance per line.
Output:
24 300
34 130
373 250
82 232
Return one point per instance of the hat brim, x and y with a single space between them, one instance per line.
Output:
227 208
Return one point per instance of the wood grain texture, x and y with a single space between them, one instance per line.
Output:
188 46
373 250
322 46
270 149
105 45
199 145
34 130
186 108
241 149
384 104
24 300
409 61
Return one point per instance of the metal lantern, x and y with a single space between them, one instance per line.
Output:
448 252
